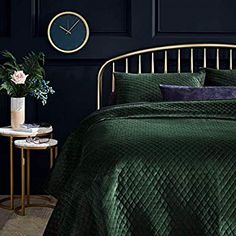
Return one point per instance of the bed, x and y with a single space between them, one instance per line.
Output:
151 167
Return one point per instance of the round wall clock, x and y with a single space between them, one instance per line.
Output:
68 32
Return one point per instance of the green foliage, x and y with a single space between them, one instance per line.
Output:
11 60
33 66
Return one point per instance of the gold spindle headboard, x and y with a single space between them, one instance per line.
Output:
153 63
139 64
191 60
217 59
113 76
126 65
231 60
165 49
179 60
166 62
205 58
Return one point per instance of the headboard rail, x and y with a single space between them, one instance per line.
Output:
125 57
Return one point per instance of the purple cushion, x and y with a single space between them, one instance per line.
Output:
185 93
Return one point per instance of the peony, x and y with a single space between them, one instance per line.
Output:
19 77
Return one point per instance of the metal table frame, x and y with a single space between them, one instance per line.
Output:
11 137
25 162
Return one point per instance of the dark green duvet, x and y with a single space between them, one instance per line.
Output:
149 169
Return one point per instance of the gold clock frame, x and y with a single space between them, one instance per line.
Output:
68 13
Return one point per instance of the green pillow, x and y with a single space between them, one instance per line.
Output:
216 77
145 87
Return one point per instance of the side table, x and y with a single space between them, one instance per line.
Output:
23 145
12 134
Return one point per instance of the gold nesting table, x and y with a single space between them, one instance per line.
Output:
8 132
26 146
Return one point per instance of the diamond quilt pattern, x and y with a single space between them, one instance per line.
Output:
145 87
149 169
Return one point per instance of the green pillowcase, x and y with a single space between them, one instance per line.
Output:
216 77
145 87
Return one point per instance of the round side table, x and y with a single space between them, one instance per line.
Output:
28 146
12 134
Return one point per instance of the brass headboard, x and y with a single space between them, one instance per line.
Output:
165 50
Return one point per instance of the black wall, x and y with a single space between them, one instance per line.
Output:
117 26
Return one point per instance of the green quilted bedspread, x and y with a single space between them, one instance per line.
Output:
164 169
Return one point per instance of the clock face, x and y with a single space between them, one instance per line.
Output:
68 32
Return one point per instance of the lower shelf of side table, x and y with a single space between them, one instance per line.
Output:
50 204
7 199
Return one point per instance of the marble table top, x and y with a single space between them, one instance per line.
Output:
22 143
8 131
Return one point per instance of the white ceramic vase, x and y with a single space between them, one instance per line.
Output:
17 112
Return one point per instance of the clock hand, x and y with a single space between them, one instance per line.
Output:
67 31
73 26
67 24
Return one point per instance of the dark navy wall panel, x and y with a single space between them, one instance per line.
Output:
112 15
5 18
184 16
117 26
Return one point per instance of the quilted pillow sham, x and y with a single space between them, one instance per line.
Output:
216 77
185 93
145 87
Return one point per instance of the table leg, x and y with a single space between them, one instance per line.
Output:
51 158
22 182
28 176
11 174
56 152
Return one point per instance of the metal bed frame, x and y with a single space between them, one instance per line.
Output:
165 49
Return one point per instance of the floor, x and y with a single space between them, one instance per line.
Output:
33 224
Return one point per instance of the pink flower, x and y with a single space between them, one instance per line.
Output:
19 77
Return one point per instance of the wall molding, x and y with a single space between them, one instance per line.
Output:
158 31
36 28
73 62
35 15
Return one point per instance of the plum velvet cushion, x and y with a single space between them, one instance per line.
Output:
145 87
216 77
185 93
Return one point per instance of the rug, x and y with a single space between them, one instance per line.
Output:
32 224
